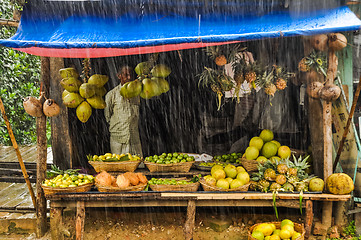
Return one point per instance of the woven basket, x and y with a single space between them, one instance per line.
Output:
250 165
298 227
125 166
53 190
173 167
139 187
210 188
191 187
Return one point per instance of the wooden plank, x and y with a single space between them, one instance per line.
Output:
14 179
56 223
16 200
12 193
60 136
80 219
41 225
308 218
191 216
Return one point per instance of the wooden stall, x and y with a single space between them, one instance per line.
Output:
73 141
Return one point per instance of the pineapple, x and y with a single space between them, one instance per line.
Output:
220 60
269 174
253 185
300 165
250 76
215 88
293 180
301 186
270 89
292 171
263 185
303 66
282 168
225 82
275 187
281 84
288 187
281 179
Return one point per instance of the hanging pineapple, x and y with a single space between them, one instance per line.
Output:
217 55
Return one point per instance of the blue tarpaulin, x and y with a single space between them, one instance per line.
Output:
105 29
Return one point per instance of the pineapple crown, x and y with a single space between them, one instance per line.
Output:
317 60
229 51
300 164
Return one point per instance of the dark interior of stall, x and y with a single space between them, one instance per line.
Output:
186 119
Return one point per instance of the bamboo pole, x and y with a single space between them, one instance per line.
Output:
350 116
18 154
9 22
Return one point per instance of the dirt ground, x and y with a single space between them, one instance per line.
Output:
165 224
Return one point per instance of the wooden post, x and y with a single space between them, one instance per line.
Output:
80 219
42 148
61 142
56 223
327 133
308 218
191 215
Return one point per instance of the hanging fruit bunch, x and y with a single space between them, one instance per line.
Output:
273 79
151 80
83 95
216 78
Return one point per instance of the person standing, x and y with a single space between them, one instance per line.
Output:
122 115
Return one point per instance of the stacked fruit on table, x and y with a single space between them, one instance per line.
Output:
169 158
228 177
285 175
69 178
228 158
264 147
112 157
268 231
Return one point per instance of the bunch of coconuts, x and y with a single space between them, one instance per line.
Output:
34 107
151 81
83 95
315 88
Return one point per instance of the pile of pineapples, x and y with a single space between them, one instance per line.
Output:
286 175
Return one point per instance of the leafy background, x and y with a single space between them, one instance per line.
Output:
20 75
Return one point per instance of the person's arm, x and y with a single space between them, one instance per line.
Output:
108 111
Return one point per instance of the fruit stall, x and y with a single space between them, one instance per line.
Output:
183 76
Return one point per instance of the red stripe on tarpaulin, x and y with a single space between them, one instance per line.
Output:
112 52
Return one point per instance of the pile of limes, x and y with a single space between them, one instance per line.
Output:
163 181
169 158
268 231
228 158
66 180
112 157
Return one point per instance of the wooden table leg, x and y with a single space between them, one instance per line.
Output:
327 214
309 218
191 216
56 223
80 219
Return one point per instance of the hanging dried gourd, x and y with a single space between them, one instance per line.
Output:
337 41
33 106
51 108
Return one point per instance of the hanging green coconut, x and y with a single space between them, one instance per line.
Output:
87 90
84 111
98 80
71 84
68 72
96 102
160 70
72 100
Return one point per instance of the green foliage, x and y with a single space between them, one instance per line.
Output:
20 74
349 232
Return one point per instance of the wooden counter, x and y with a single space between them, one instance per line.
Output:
191 200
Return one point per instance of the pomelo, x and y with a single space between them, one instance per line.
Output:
266 135
222 183
252 153
243 177
277 143
258 235
261 159
219 174
284 152
316 185
240 169
230 170
256 142
269 149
